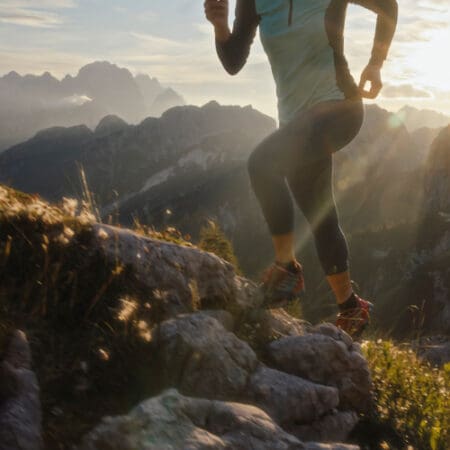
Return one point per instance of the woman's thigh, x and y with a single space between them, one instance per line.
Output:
322 129
310 136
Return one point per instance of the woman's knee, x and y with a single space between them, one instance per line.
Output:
257 163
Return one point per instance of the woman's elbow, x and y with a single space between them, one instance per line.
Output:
233 69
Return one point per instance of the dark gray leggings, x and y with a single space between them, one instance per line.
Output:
298 156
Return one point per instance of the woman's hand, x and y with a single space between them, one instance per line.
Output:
216 11
372 74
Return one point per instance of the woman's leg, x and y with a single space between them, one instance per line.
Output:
313 192
335 124
284 247
301 152
266 168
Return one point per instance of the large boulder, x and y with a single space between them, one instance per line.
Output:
20 408
332 427
289 399
182 277
200 357
326 356
321 446
172 421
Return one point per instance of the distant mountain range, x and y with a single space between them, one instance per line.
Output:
192 155
122 159
414 118
190 165
31 103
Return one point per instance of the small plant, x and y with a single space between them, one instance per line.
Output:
212 239
410 396
168 234
88 196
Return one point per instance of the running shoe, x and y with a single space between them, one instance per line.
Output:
282 284
355 320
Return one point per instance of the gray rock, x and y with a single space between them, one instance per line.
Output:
328 329
277 323
20 408
316 446
328 358
334 427
200 357
224 317
183 278
174 422
290 399
283 324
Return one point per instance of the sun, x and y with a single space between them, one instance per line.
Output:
429 60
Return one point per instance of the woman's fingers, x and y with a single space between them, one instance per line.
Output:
372 75
216 9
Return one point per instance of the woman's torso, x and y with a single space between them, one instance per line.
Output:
303 40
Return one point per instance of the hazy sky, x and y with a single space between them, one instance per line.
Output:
171 40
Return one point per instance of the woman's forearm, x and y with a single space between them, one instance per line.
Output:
387 11
233 47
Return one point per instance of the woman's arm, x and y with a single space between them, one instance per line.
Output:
387 11
233 47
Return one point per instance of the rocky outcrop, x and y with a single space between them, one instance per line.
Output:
172 421
198 356
290 399
327 356
201 358
183 278
308 383
20 412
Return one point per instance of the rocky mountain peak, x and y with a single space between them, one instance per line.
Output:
437 178
40 102
110 124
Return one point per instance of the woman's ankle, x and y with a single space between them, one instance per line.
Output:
284 247
341 286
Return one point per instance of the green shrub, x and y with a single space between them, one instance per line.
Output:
410 396
212 239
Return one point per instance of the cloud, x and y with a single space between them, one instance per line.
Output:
405 91
158 43
31 18
39 4
76 100
34 13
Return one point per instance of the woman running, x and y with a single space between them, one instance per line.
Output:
320 110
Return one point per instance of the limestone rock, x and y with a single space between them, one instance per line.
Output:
183 277
200 357
317 446
224 317
172 421
20 409
332 427
283 324
329 358
290 399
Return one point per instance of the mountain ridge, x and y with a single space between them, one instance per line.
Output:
29 103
